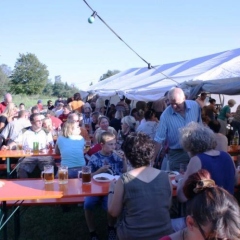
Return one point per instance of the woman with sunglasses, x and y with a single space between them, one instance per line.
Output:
212 213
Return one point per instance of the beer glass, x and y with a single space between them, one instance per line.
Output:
35 147
48 174
63 174
86 174
87 145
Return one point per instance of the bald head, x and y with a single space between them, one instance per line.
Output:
176 98
8 98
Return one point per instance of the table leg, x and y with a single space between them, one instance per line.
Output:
8 167
17 224
4 219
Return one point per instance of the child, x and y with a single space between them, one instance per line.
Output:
101 162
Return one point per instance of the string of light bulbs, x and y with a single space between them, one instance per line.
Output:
91 19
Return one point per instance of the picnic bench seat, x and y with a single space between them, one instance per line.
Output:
58 201
3 166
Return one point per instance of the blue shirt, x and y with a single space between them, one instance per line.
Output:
72 151
221 168
171 121
98 160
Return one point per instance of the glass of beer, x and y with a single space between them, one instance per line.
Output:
87 145
35 147
86 174
48 174
63 174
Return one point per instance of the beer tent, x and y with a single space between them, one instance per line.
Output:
215 73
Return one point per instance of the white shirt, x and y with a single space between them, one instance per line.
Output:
28 137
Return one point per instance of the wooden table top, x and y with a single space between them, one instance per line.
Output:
21 153
234 149
36 189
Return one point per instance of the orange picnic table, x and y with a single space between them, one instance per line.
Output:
7 154
234 150
21 190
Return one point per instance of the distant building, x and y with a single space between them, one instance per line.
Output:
58 79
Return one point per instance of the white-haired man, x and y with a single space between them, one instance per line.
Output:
178 114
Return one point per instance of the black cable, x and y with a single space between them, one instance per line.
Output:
149 64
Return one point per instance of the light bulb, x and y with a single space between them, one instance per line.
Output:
91 19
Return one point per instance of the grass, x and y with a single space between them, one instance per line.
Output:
31 101
52 223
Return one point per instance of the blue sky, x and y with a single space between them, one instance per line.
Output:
58 33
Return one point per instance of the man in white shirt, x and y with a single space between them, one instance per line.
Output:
33 134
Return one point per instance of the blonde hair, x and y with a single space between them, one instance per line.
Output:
9 110
68 128
105 136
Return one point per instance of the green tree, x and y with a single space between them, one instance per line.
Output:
4 80
58 89
29 75
48 90
108 74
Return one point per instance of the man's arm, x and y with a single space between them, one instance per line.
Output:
157 148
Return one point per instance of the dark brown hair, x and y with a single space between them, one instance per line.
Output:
212 205
139 149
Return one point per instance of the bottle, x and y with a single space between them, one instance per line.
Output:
236 138
59 131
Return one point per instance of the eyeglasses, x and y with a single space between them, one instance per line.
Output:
36 121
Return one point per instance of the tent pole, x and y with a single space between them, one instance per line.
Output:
108 105
131 108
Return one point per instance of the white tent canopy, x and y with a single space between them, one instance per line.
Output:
216 73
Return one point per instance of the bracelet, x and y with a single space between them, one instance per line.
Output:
111 192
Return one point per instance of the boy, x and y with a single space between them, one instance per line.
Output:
106 160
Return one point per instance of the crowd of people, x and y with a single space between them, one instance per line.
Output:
189 132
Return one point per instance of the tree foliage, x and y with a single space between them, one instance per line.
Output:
108 74
29 75
4 80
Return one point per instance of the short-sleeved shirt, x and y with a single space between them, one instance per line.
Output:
222 115
72 150
2 107
29 136
76 105
98 160
171 121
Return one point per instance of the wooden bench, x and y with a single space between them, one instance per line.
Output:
3 166
59 201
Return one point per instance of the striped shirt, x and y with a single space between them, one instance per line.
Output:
171 121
